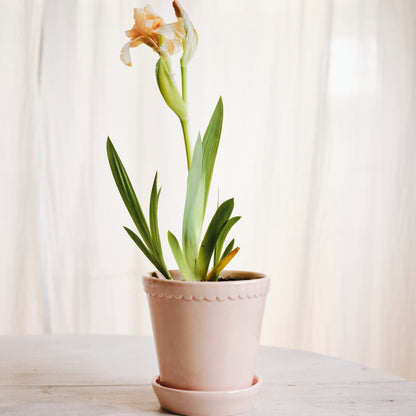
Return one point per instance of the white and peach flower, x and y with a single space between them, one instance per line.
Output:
149 29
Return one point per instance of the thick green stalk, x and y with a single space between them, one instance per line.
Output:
184 76
185 122
187 139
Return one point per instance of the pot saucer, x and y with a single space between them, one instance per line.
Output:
206 403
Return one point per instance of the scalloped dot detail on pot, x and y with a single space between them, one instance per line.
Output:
200 299
257 286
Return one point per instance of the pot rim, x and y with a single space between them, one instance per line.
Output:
260 277
207 291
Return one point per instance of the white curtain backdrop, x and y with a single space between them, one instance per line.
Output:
318 149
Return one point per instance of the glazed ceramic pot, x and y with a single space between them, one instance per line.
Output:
207 333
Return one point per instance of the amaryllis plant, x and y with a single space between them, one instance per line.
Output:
194 256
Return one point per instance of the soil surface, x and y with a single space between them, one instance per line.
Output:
221 279
229 278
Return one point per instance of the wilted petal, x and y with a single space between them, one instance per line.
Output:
153 20
145 22
172 30
125 50
138 41
190 45
191 38
149 29
172 35
125 54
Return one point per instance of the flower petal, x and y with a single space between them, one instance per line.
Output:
149 20
145 22
149 12
125 54
125 50
172 35
172 30
138 41
191 38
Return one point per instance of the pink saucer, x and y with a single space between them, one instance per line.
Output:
206 403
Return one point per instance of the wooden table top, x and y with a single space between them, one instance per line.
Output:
111 375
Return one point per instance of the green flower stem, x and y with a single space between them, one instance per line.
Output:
184 75
186 136
185 122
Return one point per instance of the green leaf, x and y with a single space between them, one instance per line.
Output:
150 246
210 145
214 229
227 249
169 90
180 258
127 193
148 254
193 215
199 181
154 227
222 237
213 274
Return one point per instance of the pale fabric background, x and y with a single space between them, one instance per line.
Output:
318 148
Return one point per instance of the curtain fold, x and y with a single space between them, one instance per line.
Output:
21 294
318 149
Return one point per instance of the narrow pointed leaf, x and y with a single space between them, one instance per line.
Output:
150 246
127 193
228 249
214 229
193 215
141 245
213 274
222 237
148 254
154 227
199 181
180 258
210 145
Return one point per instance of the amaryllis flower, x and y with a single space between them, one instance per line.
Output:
165 39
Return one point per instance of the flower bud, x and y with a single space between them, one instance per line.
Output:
190 41
169 89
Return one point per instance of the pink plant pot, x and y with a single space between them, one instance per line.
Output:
207 333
